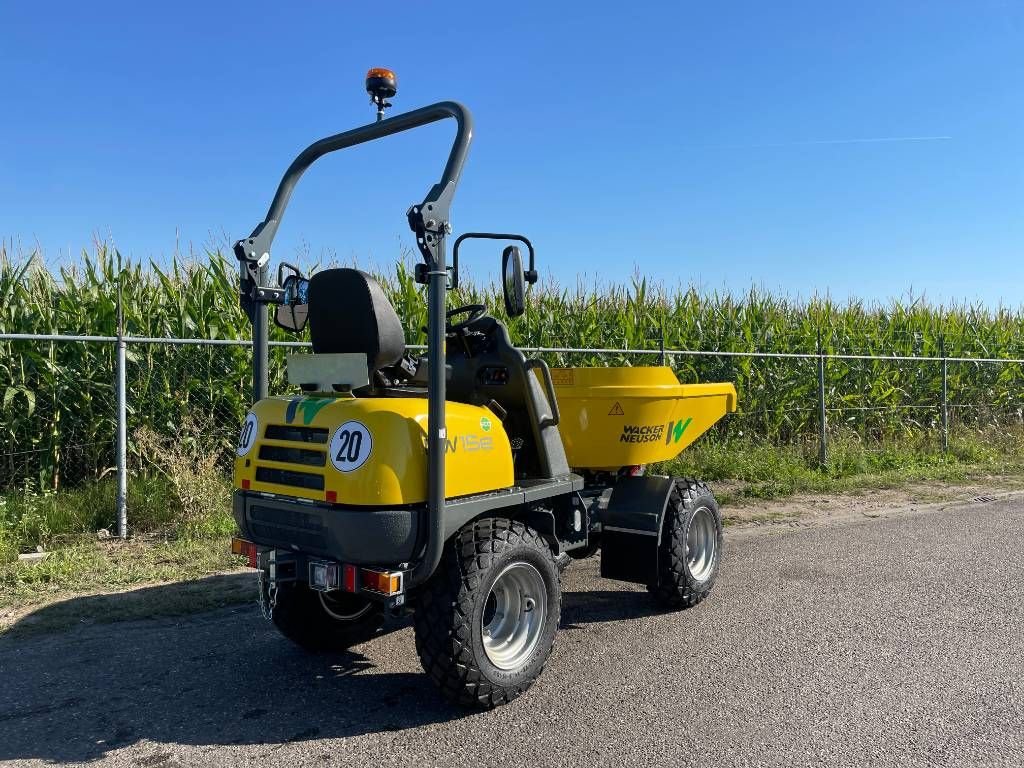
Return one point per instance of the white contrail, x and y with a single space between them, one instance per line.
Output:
869 141
812 142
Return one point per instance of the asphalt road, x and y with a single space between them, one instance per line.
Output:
893 641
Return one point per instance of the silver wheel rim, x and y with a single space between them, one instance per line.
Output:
701 544
513 616
336 611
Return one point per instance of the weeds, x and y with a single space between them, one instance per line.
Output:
197 488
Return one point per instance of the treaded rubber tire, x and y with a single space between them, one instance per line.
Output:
301 617
677 587
448 616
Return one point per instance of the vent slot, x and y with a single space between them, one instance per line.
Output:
285 517
288 455
289 477
287 526
293 434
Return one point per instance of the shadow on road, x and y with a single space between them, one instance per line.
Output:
217 678
580 608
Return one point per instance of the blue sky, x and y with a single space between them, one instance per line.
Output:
693 142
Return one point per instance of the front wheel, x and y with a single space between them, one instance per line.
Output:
486 620
691 546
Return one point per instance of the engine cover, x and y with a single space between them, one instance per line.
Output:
366 451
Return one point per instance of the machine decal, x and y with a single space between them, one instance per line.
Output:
642 433
563 377
247 439
616 410
469 443
485 424
676 429
307 406
350 446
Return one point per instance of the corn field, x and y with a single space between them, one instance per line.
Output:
57 398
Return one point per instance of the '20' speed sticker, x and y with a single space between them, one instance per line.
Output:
247 439
350 446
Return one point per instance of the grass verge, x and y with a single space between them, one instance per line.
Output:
179 525
181 529
69 587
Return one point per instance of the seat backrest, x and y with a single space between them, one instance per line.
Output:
348 312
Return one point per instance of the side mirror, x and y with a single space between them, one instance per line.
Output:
513 281
293 313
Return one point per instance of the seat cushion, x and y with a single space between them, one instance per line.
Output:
348 312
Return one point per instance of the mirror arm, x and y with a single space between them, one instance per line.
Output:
282 267
530 274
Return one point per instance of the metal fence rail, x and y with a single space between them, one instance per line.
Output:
124 388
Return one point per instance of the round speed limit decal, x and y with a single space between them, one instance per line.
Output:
350 446
247 439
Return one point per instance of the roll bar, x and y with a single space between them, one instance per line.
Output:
429 221
257 245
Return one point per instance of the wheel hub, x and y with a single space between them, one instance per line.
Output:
701 544
514 615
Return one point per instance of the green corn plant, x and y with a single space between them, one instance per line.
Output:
56 399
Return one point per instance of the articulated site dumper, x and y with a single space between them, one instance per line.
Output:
457 484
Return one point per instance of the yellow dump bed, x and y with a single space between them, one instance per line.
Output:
618 417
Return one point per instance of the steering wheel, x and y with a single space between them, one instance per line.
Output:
475 312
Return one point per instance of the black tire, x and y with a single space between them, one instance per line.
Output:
679 586
449 616
304 616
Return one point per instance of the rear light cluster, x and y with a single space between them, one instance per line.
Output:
247 549
325 575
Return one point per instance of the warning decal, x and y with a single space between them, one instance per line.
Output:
616 410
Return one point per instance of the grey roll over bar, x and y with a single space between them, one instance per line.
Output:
429 221
257 245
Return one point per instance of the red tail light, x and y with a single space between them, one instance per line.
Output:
247 549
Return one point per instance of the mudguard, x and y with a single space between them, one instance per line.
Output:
631 528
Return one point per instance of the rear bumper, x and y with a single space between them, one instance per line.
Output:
357 535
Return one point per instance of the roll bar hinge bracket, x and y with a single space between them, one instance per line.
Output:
429 222
253 256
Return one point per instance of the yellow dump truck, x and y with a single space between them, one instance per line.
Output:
455 484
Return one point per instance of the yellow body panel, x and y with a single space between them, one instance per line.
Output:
388 458
618 417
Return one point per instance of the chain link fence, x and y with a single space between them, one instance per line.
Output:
184 399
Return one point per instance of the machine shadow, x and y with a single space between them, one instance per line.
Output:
216 678
223 677
594 607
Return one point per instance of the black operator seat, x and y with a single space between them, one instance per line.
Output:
349 313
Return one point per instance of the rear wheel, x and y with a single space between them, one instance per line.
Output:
325 621
486 620
691 546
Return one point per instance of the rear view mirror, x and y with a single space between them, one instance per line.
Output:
293 313
513 281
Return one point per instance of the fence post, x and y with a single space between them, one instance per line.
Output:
945 395
122 422
661 357
823 419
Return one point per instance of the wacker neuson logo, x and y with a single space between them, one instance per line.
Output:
675 430
642 433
